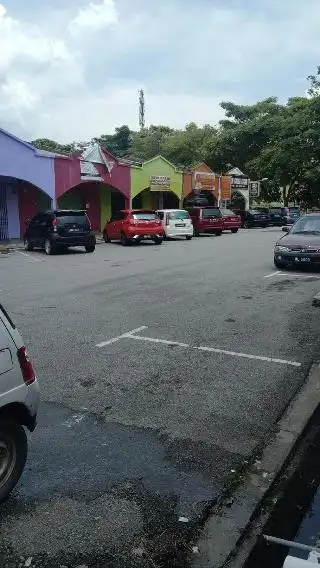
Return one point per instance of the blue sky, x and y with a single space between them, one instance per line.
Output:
72 70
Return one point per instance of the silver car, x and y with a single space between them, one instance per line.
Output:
19 401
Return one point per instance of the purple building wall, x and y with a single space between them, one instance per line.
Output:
21 161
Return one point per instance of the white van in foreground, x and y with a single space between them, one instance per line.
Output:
176 223
19 401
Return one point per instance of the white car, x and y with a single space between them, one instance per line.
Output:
176 223
19 401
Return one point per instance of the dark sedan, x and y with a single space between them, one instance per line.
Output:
253 218
301 244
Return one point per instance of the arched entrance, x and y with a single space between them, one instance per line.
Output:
238 201
19 202
155 200
98 199
200 198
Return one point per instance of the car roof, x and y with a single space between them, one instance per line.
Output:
172 210
137 211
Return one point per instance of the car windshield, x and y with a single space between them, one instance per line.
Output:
179 214
255 212
307 225
275 210
74 218
211 213
145 216
294 209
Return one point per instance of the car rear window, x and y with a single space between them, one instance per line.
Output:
72 219
145 216
294 209
211 213
179 215
227 212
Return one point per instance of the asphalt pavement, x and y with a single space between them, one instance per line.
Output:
163 369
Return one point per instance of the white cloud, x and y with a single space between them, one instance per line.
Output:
95 17
81 76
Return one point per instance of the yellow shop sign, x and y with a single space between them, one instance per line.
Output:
160 183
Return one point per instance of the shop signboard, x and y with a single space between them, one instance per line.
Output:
254 188
204 181
160 183
239 182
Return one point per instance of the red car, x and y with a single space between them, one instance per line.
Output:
231 221
206 220
133 226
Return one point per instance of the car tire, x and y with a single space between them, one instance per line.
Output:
14 450
158 241
188 237
234 231
106 238
279 264
124 241
90 248
48 248
27 246
218 233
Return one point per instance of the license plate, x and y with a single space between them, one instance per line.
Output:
74 230
180 224
303 259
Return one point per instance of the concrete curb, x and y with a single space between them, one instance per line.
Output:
223 530
316 300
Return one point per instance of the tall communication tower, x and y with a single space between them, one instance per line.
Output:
141 109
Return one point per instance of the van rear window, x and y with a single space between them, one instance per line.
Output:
179 215
6 315
211 213
145 216
72 219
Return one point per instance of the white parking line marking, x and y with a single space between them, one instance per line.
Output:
127 334
131 335
31 259
295 275
273 274
248 356
154 340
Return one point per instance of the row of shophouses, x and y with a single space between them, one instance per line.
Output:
33 180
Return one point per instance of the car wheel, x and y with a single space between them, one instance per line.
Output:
90 248
158 240
49 249
106 238
124 241
234 231
279 264
218 233
13 455
27 245
188 237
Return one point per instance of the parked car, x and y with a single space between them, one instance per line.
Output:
231 221
206 220
58 230
253 218
176 223
283 215
19 400
134 225
301 243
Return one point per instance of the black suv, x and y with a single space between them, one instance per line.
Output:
253 218
55 231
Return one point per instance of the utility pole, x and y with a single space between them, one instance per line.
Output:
141 109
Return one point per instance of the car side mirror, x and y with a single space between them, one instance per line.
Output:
285 229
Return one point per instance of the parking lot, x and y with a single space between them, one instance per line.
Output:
163 369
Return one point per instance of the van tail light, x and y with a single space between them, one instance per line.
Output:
26 366
55 224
